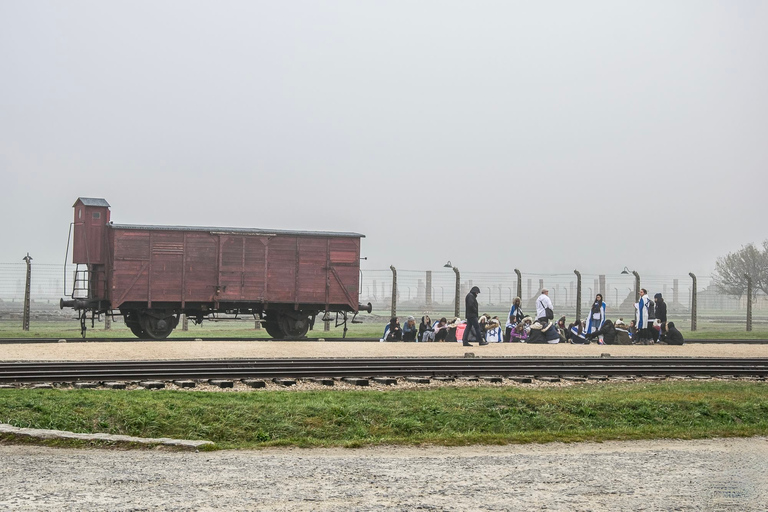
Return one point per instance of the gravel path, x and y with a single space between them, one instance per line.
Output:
102 351
720 474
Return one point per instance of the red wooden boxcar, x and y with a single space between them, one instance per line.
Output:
153 274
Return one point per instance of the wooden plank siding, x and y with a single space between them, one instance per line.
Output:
179 267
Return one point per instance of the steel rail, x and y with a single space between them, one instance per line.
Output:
375 367
15 341
8 341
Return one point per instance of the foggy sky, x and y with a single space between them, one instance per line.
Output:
544 136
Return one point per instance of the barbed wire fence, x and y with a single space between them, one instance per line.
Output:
434 292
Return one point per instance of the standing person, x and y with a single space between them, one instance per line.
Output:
660 312
596 315
514 318
641 316
544 303
472 318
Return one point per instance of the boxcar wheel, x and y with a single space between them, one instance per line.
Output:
273 329
131 320
157 327
292 327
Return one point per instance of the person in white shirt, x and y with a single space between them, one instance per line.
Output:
542 303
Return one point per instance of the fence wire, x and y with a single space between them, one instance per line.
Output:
434 292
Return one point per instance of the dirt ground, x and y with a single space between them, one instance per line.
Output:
714 474
118 351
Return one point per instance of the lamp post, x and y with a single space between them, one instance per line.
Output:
626 271
458 287
693 302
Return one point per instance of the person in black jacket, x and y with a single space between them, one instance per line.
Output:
472 318
674 337
660 312
608 331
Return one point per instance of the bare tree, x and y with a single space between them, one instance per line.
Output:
731 269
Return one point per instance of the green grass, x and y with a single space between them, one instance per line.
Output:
442 416
243 328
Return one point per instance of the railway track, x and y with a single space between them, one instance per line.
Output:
30 372
11 341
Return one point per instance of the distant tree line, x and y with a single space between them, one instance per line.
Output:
730 270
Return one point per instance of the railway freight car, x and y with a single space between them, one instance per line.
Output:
151 275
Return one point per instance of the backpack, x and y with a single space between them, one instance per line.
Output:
651 310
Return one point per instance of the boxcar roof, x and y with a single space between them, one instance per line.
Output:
243 231
92 201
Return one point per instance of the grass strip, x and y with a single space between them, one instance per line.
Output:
442 416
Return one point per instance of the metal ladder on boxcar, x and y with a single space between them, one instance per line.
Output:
81 288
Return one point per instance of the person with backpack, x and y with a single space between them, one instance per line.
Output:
544 308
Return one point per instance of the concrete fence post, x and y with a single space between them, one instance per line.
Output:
578 294
25 319
393 310
749 303
693 301
637 287
429 290
519 284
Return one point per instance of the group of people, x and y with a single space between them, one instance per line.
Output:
649 326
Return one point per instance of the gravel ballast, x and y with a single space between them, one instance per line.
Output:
84 351
717 474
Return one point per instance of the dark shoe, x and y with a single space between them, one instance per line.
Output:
467 344
482 344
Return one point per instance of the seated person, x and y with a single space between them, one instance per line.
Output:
674 337
393 332
441 330
521 330
622 333
563 331
483 321
578 334
551 335
607 331
453 330
410 329
535 335
493 332
426 332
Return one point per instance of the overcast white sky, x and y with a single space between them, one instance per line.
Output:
545 136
